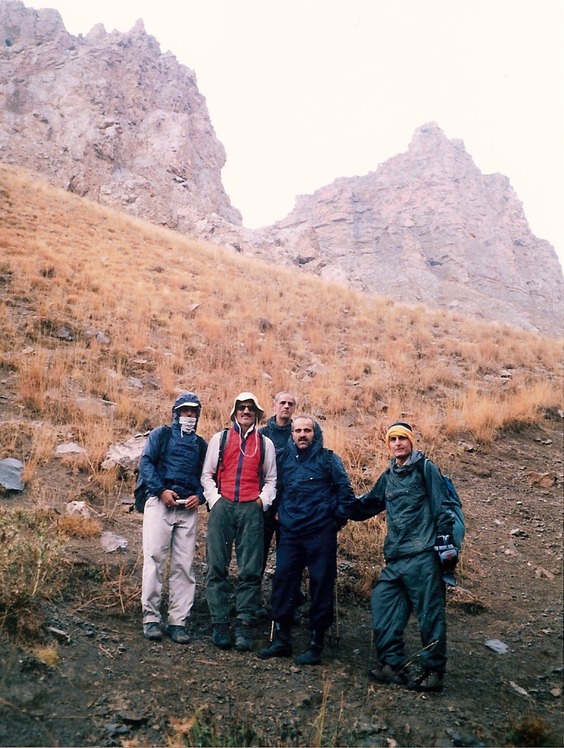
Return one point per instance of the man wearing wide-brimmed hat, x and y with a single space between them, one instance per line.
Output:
239 480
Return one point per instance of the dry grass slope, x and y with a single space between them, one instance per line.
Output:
92 302
90 299
105 319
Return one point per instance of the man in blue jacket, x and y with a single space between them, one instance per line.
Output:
418 522
170 467
316 499
279 430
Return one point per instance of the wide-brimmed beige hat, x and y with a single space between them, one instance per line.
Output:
241 397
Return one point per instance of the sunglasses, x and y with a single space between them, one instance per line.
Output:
252 408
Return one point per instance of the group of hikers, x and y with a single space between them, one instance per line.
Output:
280 481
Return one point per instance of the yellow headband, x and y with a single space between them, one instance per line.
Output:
398 430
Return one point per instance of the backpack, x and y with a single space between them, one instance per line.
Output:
454 503
141 491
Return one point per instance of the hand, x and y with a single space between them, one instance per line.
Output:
192 502
168 497
259 501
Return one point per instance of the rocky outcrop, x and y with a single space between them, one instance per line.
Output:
427 226
108 116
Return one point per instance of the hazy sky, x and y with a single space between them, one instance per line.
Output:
301 92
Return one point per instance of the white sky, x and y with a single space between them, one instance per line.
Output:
301 92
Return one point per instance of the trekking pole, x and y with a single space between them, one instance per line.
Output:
418 654
272 631
337 634
334 630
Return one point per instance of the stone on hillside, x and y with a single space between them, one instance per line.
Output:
78 509
69 448
126 454
150 381
93 406
111 542
497 646
544 480
541 573
11 474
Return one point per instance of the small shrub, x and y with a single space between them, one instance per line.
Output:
47 655
204 728
32 567
112 587
75 526
531 731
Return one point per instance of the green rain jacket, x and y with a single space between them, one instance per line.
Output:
413 520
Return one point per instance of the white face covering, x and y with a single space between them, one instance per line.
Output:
187 424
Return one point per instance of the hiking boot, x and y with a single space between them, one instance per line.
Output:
281 645
277 648
262 614
388 676
428 681
243 637
312 655
178 634
221 636
152 631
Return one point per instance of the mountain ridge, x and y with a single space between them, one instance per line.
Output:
427 226
110 117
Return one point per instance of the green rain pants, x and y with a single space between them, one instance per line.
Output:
407 584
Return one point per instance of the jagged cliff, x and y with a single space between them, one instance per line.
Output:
427 226
110 117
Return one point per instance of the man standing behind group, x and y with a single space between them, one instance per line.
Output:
279 429
316 499
239 480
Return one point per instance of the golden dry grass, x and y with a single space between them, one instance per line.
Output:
93 303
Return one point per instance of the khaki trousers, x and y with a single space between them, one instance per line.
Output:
168 532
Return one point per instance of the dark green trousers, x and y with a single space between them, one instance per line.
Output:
241 525
406 585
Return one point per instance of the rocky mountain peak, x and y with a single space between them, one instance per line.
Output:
24 27
108 116
431 150
427 226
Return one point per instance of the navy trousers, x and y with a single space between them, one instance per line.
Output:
318 553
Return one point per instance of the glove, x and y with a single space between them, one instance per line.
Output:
448 555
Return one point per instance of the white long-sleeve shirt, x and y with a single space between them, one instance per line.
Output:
268 491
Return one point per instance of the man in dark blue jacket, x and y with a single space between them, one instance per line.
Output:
418 522
278 428
170 467
316 499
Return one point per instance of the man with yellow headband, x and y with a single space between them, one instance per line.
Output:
416 509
